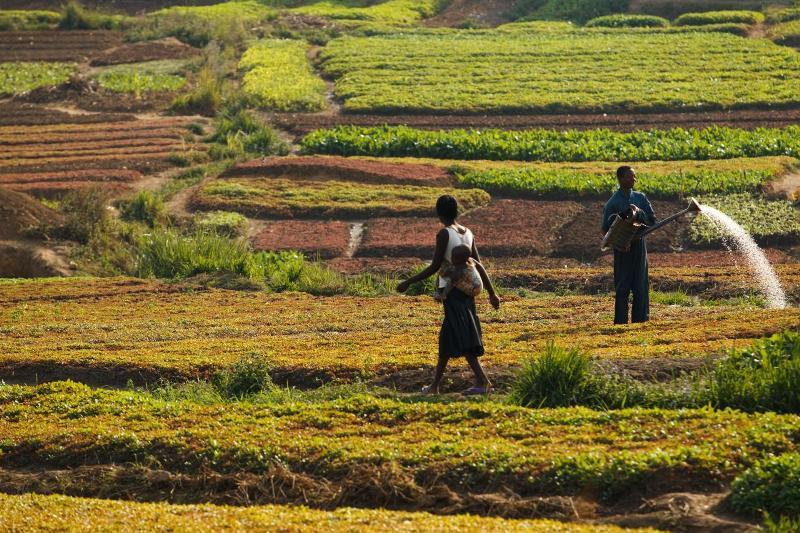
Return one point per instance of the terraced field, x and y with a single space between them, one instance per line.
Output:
55 158
215 379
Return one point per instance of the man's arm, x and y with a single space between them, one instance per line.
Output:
606 223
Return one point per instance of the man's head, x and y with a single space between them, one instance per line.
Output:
626 177
461 254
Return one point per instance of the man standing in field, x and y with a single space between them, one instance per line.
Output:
630 268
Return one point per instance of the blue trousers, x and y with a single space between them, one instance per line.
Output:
630 275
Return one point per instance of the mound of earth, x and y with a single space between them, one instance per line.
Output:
343 168
168 48
20 213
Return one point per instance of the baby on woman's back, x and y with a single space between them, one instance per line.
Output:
462 274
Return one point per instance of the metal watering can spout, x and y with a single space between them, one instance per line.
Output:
623 232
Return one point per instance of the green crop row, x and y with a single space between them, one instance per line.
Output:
530 451
720 17
278 76
277 198
391 11
549 145
33 512
768 221
536 183
502 71
16 78
787 33
622 20
18 19
139 78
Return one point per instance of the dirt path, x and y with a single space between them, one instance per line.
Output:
487 13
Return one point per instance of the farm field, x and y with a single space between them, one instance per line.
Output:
54 328
206 209
545 73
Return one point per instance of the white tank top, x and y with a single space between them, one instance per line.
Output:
454 238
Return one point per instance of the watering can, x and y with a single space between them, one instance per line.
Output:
624 231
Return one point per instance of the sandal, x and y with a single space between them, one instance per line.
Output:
475 391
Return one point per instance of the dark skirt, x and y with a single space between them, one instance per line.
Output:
461 329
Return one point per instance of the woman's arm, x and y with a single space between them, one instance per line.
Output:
493 299
438 257
475 255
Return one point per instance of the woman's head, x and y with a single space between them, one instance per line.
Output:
447 208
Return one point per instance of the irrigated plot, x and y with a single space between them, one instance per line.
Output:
64 327
490 71
286 198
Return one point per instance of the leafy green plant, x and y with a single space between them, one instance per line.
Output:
628 21
227 22
248 376
278 76
558 377
138 78
767 221
76 17
575 10
16 78
770 486
240 132
675 144
223 223
786 33
719 17
167 254
146 206
204 98
556 183
765 376
24 19
471 72
390 11
86 213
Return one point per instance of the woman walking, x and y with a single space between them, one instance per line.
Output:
460 335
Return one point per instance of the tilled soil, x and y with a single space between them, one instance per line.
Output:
302 123
52 45
318 168
16 113
316 238
167 48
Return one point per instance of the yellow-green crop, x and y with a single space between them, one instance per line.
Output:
278 76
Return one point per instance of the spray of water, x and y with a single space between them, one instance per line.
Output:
752 254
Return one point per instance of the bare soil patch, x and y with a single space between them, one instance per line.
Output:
484 13
18 113
300 123
316 168
167 48
504 228
52 45
20 213
326 239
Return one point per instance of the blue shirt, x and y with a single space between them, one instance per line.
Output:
620 202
